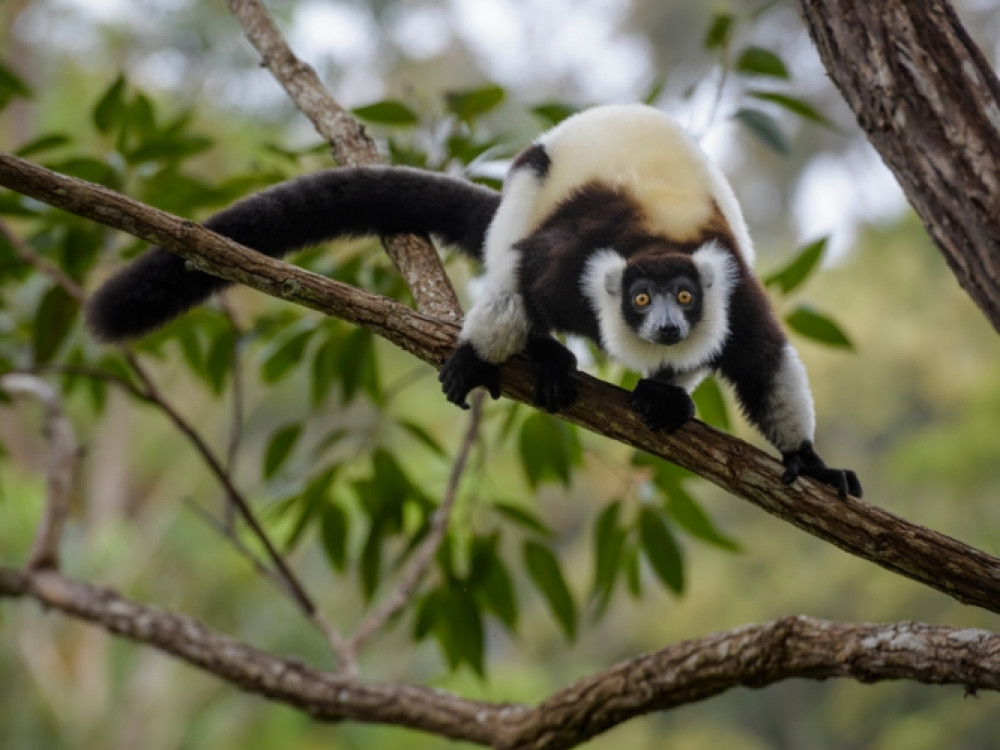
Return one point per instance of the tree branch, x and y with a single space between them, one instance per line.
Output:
415 257
61 458
751 656
930 104
862 529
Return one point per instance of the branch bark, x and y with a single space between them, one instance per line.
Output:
929 102
750 656
856 526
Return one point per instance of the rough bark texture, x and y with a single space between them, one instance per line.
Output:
750 656
857 526
930 104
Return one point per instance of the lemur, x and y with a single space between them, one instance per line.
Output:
613 225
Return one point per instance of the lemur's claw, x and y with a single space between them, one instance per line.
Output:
466 370
806 462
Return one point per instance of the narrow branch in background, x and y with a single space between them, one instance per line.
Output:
415 257
32 258
419 562
236 424
151 394
60 468
682 673
291 582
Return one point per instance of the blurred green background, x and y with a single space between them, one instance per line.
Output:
194 123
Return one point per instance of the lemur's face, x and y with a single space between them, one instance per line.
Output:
662 301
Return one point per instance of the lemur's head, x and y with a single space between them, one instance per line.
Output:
662 297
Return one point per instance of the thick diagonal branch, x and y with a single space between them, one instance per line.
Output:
929 102
751 656
862 529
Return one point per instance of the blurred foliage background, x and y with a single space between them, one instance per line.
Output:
566 553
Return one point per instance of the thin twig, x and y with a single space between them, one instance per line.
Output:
32 258
236 424
60 471
420 560
151 394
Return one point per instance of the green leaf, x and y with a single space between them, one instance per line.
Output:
280 447
496 593
387 112
219 359
763 126
42 144
609 541
169 148
357 364
684 509
757 61
459 629
661 550
549 448
797 106
333 534
524 518
325 364
423 436
11 85
719 30
545 573
285 352
792 275
555 112
811 324
371 559
53 322
711 404
110 108
309 503
467 105
654 91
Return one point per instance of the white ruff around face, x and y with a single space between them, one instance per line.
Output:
602 286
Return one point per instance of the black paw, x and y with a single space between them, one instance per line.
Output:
662 406
805 462
466 370
552 366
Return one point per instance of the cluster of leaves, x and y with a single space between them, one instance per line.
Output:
350 488
761 70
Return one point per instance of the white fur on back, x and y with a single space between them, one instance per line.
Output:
718 274
641 150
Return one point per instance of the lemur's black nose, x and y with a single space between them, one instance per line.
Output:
669 333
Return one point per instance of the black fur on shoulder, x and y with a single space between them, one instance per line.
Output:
327 205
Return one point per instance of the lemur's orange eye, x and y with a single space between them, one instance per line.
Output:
684 297
641 299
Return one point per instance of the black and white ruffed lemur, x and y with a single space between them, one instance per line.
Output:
613 225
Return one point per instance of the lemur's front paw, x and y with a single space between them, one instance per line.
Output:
662 406
466 370
805 462
552 366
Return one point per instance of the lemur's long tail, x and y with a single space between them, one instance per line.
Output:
335 203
